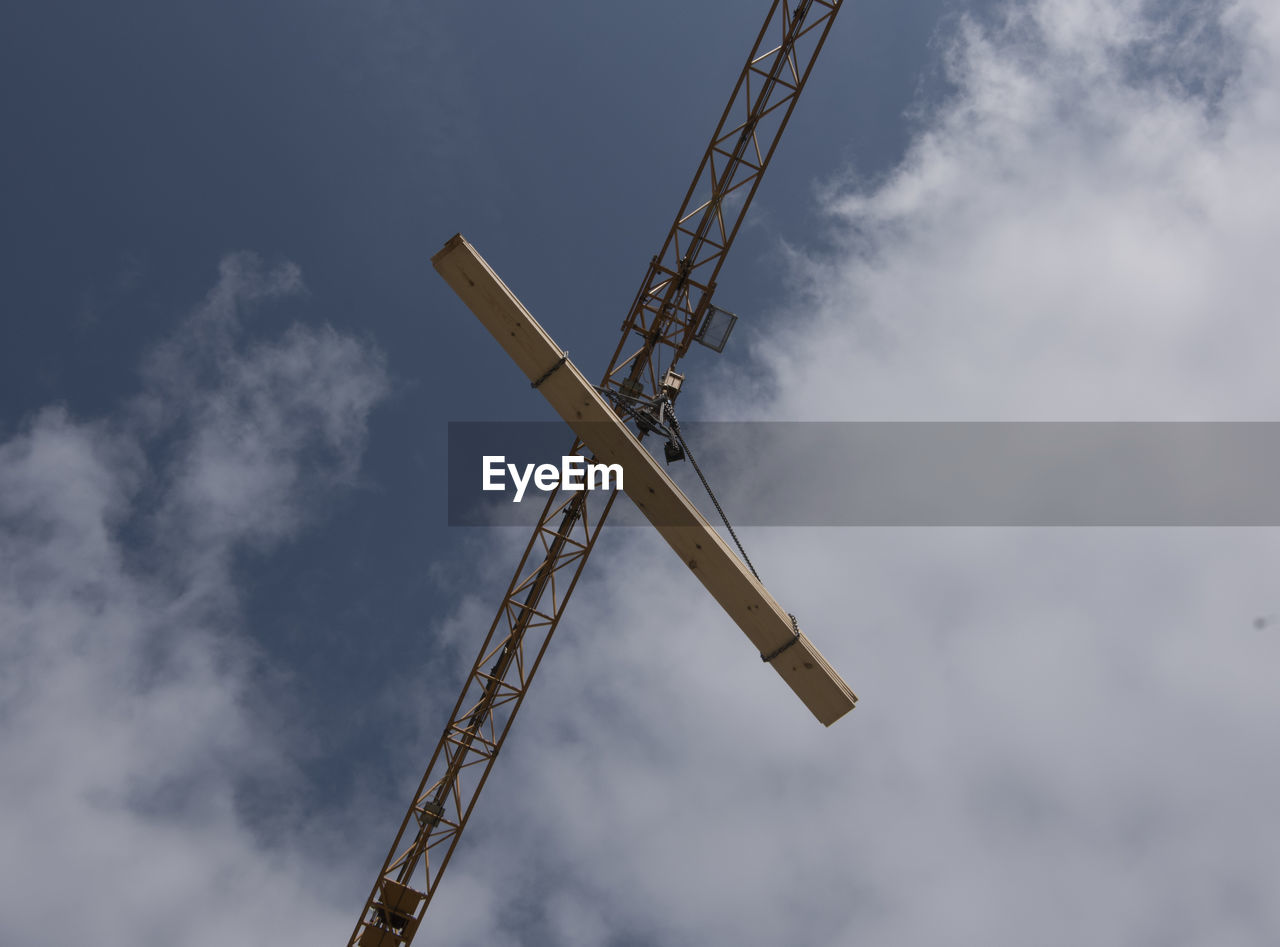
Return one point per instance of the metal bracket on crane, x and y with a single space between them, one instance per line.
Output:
651 415
713 331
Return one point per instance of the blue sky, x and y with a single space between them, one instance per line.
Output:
352 141
232 617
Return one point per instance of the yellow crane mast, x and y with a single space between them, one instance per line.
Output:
671 311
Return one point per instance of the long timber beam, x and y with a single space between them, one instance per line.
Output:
680 523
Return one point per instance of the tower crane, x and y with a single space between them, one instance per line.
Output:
671 310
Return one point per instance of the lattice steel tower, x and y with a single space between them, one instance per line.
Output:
671 310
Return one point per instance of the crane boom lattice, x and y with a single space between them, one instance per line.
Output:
659 328
676 293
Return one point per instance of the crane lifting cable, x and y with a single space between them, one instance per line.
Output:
687 451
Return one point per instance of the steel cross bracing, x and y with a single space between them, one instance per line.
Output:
663 320
677 290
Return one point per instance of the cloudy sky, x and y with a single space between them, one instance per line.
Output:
232 616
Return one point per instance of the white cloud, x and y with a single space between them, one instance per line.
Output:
126 725
1064 735
1075 235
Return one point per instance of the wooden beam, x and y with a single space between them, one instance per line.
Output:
679 522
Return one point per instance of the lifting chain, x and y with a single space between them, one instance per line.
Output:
675 432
